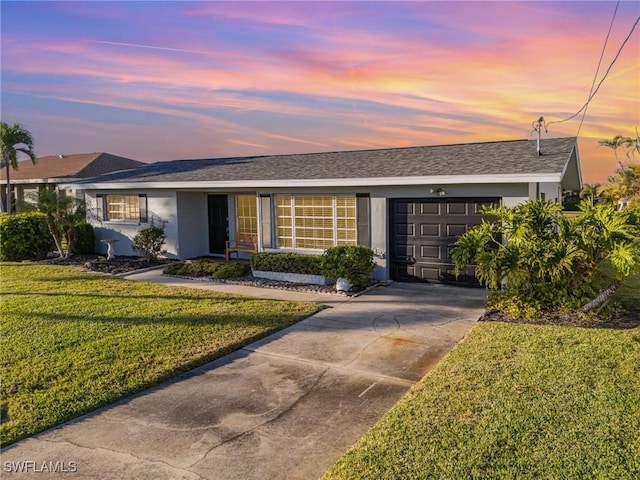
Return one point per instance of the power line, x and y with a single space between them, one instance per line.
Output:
593 93
595 76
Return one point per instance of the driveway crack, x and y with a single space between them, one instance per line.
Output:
266 422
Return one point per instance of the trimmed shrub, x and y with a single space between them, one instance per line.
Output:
84 239
196 268
231 270
287 262
149 241
24 236
353 262
176 268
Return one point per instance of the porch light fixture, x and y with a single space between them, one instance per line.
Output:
438 191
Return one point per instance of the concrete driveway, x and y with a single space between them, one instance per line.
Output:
285 407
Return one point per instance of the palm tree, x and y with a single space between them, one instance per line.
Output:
14 139
590 191
63 214
615 143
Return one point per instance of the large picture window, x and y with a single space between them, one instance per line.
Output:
315 222
122 208
247 213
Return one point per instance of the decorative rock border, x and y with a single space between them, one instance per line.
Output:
292 277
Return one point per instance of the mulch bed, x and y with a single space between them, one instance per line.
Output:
99 263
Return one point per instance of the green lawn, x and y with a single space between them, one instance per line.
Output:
515 401
72 341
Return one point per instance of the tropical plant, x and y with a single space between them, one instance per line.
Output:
149 241
14 139
590 192
537 260
63 214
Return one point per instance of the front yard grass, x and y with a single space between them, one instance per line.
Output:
72 342
516 401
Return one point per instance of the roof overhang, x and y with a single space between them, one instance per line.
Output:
327 182
23 181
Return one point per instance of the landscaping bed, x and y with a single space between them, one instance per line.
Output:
99 263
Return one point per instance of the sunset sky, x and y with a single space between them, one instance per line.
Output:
156 80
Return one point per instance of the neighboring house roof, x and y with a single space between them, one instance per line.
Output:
67 167
490 162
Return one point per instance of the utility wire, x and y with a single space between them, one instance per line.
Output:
595 76
593 93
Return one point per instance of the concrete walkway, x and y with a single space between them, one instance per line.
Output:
285 407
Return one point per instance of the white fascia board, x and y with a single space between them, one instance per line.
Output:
328 182
37 180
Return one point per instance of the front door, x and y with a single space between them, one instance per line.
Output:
218 223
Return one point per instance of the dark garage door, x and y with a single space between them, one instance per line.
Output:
422 231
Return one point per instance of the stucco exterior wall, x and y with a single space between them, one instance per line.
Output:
186 213
161 206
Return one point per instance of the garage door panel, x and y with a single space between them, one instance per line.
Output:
456 208
430 230
408 229
430 252
404 208
402 251
430 208
456 230
422 235
431 273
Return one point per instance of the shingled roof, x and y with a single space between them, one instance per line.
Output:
82 165
515 157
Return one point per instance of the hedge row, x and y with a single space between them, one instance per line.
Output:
207 268
287 262
24 236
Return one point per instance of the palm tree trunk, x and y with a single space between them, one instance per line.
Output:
8 205
56 238
602 298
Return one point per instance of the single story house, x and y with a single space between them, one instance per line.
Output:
53 170
407 204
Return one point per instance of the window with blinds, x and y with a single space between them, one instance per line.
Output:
315 222
127 208
247 214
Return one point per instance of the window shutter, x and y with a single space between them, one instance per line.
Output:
100 210
362 215
143 208
265 220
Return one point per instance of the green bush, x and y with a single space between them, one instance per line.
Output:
24 236
353 262
196 268
287 262
175 268
149 241
84 239
231 270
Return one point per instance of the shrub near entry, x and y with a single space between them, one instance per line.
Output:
353 262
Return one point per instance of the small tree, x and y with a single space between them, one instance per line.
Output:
535 259
63 214
149 241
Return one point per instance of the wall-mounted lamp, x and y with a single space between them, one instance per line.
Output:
438 191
